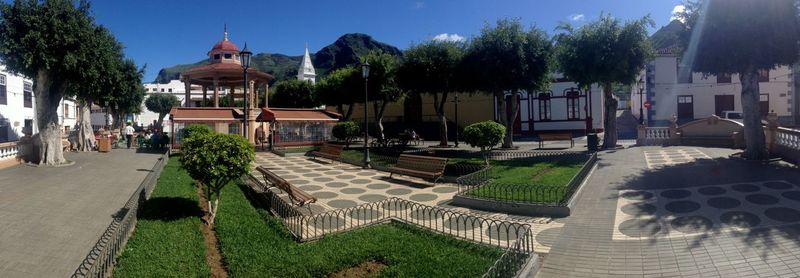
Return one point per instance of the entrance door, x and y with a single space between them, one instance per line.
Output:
685 107
763 103
723 103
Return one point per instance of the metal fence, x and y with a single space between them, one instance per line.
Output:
515 238
481 185
101 259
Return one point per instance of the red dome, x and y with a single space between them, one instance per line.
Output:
225 45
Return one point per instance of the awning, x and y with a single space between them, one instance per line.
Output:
296 114
205 115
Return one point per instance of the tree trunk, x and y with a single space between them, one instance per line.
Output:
610 122
439 107
508 118
48 93
349 112
379 118
756 147
160 121
86 140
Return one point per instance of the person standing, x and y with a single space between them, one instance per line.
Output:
129 134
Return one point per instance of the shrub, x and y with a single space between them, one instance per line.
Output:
346 131
484 135
197 129
215 160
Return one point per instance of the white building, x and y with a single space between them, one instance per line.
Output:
174 87
306 70
674 91
17 107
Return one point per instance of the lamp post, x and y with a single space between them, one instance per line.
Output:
365 74
245 55
456 102
641 101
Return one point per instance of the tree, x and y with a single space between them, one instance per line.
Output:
431 68
605 51
161 104
382 88
507 59
744 37
293 93
346 131
214 160
128 93
50 41
197 130
339 88
484 135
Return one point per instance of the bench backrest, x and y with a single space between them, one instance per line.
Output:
422 163
334 149
555 136
274 179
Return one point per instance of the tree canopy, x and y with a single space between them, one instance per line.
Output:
293 93
161 104
382 87
341 87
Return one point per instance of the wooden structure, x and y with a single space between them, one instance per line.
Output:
221 120
419 166
297 196
298 126
329 151
560 136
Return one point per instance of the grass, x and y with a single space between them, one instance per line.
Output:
530 180
299 149
168 241
255 244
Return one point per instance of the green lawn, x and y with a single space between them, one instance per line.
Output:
530 180
299 149
255 244
167 241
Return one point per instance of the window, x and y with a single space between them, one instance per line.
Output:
216 56
544 107
170 90
233 128
228 56
572 106
27 94
763 75
724 78
66 110
162 90
3 94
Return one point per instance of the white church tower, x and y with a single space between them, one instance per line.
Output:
306 70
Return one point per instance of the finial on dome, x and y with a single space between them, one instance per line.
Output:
226 32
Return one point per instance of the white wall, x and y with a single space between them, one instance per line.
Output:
558 108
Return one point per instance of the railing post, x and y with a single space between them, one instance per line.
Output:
771 131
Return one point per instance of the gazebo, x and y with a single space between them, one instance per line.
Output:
225 71
298 126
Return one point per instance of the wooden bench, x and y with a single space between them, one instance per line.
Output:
556 137
329 151
419 166
297 197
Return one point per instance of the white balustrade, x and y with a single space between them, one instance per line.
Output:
8 150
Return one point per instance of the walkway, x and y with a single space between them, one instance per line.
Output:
52 217
681 211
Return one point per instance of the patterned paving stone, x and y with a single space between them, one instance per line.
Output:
462 224
676 193
365 214
361 181
422 197
691 224
778 185
351 190
324 195
637 195
312 175
741 219
548 236
328 222
288 177
723 202
745 187
298 182
783 214
342 203
639 209
346 177
398 191
378 186
336 184
761 199
791 195
366 174
682 206
310 187
444 189
639 227
393 206
334 172
711 190
372 198
323 179
423 214
506 232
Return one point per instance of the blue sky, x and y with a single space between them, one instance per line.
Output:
164 33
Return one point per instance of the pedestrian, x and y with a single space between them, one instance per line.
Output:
129 134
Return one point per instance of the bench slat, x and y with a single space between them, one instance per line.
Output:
296 194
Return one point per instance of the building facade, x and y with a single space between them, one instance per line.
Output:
673 90
17 108
176 88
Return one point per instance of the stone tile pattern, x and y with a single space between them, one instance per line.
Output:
675 156
642 214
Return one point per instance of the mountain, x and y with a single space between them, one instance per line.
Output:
668 36
344 51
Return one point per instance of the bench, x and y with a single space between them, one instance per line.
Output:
297 197
419 166
329 151
556 137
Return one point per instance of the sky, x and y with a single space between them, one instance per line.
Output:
163 33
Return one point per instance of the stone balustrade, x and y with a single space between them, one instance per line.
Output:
8 150
785 143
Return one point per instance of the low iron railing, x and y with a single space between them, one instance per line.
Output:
102 257
481 185
515 238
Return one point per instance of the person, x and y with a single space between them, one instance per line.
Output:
155 140
129 134
164 140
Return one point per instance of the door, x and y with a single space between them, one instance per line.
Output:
685 107
763 103
723 103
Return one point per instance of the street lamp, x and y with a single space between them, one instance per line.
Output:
456 102
641 101
245 55
365 74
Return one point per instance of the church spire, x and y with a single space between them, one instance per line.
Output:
306 70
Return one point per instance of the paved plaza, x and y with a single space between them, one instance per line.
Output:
52 217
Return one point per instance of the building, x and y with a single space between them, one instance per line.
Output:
673 90
306 71
176 88
17 108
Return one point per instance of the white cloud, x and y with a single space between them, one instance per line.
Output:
577 17
676 10
448 37
418 5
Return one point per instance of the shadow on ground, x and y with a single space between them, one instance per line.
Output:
169 209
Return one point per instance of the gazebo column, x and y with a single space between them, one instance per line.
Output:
230 97
205 96
250 98
255 96
187 83
251 116
216 93
266 94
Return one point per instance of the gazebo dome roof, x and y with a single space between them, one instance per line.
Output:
225 45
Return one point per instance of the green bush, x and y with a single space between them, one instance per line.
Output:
484 135
215 160
197 129
346 131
